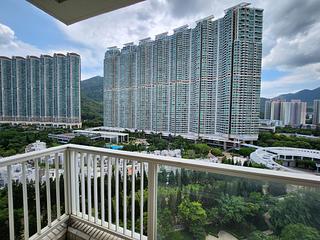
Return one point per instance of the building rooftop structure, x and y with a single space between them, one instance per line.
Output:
115 137
269 155
106 135
36 146
63 137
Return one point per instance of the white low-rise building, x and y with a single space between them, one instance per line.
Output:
287 155
36 146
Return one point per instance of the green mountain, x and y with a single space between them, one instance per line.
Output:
91 101
93 88
91 109
305 95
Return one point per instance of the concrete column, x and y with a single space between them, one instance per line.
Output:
224 145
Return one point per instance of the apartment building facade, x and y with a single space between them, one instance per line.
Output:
41 90
202 81
316 112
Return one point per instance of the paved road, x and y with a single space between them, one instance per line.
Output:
222 235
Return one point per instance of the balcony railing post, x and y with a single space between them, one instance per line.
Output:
25 201
48 190
66 163
56 161
10 204
152 201
72 181
37 193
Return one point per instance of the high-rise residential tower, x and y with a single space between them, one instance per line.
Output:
275 110
111 87
285 112
298 113
180 81
203 82
267 109
316 112
41 90
6 93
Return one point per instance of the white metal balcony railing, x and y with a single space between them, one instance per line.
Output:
89 164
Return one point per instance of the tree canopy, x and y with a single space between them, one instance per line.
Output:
298 232
193 217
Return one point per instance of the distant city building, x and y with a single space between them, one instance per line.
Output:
98 133
203 81
267 109
275 109
43 90
36 146
298 113
269 125
316 112
288 113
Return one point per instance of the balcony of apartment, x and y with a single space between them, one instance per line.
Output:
81 192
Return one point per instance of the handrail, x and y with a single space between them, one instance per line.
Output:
19 158
237 171
42 156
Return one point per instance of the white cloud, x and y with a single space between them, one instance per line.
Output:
6 35
305 77
291 43
299 50
133 23
145 19
11 46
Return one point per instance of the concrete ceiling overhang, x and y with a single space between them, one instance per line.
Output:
72 11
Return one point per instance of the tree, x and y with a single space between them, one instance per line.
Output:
190 154
233 209
298 232
257 235
297 207
165 223
180 143
82 140
213 215
246 151
216 152
201 149
172 179
193 217
162 176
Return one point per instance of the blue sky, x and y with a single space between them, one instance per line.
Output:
291 55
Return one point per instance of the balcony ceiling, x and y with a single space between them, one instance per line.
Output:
72 11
